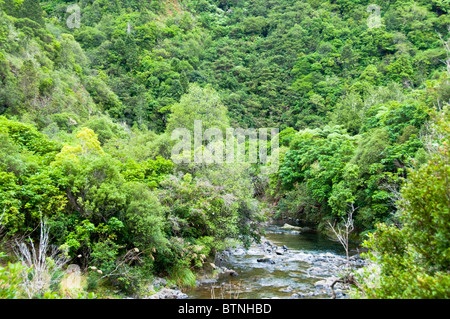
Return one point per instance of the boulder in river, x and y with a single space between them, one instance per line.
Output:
231 272
265 260
287 290
290 227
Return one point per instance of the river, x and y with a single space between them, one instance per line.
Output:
296 272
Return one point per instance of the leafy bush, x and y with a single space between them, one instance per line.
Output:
412 260
10 280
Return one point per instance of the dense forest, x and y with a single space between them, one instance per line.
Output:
91 91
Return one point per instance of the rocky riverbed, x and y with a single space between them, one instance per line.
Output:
284 265
161 290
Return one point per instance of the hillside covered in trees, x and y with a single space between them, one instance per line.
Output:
91 91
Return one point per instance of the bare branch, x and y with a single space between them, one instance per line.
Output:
349 279
342 232
43 261
129 257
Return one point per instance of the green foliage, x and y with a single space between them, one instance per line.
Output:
183 276
200 104
327 170
104 255
151 172
144 218
370 151
87 116
32 9
28 137
10 280
105 128
27 190
413 260
349 113
317 160
92 281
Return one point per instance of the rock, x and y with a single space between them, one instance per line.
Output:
73 269
240 251
231 273
322 284
223 270
285 247
288 289
71 283
264 260
166 293
159 282
290 227
149 290
325 283
279 252
356 258
206 281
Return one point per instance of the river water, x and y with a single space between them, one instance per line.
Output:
308 259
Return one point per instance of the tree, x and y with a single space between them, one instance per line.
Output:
411 258
144 216
32 9
342 232
200 104
349 113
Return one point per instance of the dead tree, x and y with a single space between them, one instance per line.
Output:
43 261
342 232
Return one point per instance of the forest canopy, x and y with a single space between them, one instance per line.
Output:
87 109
